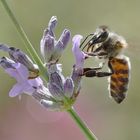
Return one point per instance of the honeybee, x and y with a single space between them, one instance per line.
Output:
109 46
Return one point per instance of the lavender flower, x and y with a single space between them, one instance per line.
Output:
20 57
60 92
21 74
79 64
78 54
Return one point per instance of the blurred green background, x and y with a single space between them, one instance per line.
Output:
25 119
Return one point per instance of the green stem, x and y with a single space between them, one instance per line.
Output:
27 43
81 124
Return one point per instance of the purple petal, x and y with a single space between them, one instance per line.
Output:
36 82
27 88
79 55
16 90
76 40
23 71
20 88
13 73
20 73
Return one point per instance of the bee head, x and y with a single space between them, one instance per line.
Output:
100 35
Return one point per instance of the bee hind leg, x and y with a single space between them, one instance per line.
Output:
94 72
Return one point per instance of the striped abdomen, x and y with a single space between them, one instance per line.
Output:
119 81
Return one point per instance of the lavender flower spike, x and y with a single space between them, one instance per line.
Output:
60 92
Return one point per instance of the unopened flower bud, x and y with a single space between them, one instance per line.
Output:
65 37
52 24
61 44
68 87
52 106
58 79
56 91
18 56
47 47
